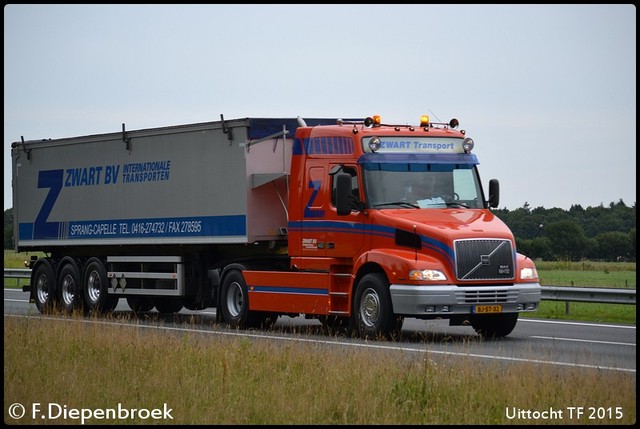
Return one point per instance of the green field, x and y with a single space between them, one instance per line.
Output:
587 274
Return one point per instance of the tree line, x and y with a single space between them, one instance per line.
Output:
595 233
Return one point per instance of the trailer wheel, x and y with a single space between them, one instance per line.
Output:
95 288
235 301
140 304
373 311
70 287
494 325
45 288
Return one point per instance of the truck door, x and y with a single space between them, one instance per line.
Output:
345 235
314 212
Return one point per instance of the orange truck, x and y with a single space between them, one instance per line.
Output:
357 223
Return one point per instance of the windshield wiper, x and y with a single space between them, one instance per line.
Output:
398 203
457 204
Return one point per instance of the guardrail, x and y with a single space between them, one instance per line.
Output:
549 293
589 294
17 273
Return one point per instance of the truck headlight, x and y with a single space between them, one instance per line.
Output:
427 275
528 273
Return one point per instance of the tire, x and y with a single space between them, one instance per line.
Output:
44 293
70 287
140 304
95 286
494 325
234 302
373 312
169 304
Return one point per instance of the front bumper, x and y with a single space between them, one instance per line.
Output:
442 300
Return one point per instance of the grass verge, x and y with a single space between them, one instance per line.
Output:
213 379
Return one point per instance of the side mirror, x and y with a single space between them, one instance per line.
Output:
343 192
494 193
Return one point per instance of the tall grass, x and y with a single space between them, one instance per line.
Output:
213 379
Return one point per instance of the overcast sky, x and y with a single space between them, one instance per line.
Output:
547 92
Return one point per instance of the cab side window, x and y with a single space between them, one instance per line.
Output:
355 186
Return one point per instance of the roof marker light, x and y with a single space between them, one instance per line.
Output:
424 120
372 121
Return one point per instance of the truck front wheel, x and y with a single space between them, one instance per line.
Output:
373 311
494 325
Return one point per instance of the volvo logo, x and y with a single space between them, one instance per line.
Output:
485 260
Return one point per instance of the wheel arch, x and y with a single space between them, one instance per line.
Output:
363 270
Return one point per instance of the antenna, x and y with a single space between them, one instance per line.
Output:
434 115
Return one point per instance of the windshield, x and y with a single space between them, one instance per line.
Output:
421 185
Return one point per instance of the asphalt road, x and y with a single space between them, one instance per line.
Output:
546 342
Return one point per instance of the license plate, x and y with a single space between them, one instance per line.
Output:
484 309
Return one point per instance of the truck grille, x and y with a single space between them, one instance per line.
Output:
484 260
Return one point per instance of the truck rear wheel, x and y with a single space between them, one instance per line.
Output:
95 288
494 325
373 311
234 302
44 288
70 287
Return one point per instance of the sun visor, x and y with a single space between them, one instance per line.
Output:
420 158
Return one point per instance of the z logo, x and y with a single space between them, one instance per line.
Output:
308 211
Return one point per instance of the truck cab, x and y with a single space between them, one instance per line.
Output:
401 209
